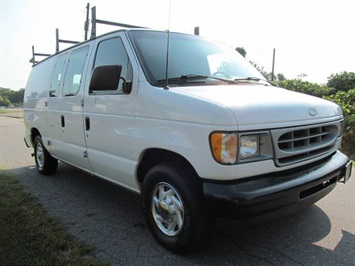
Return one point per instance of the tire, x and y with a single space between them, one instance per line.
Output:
174 208
45 163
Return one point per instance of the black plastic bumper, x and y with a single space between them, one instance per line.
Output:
268 197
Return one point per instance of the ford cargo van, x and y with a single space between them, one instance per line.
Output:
189 124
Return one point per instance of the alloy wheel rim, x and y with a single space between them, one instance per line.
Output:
168 209
39 155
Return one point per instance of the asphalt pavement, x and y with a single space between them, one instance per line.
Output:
110 218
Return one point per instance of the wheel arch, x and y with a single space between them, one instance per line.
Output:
154 156
34 133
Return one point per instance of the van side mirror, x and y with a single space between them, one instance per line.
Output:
105 78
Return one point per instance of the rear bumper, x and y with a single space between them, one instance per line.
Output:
268 197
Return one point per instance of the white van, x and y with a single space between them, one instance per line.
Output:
189 124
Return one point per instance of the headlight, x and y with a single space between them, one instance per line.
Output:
239 147
249 146
224 147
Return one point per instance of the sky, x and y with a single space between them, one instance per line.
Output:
312 37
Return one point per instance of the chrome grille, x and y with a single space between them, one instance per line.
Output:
294 145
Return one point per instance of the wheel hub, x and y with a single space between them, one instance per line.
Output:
168 209
164 209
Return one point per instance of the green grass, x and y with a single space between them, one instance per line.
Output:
29 236
5 111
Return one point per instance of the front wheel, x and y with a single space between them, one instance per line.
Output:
45 163
174 208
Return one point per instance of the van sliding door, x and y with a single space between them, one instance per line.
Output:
69 119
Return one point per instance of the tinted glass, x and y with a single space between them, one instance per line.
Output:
112 52
188 55
57 76
74 71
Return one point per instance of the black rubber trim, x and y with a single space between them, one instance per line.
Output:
268 197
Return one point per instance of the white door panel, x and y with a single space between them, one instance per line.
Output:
67 114
110 116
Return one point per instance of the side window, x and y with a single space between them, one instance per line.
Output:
112 52
57 75
74 71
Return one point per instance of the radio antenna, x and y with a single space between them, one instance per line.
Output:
167 51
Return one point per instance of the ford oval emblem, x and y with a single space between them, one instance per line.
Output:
312 112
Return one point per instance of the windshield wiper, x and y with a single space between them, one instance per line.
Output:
189 77
194 76
248 78
255 79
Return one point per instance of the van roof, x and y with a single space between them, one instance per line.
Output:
78 44
94 21
97 37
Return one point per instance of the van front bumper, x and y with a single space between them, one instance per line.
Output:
269 197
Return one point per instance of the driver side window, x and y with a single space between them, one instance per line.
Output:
112 52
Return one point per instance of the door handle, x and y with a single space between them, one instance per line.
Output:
62 120
87 123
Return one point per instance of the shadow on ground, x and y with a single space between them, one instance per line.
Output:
110 218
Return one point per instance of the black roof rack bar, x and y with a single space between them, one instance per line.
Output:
61 41
94 21
86 24
33 59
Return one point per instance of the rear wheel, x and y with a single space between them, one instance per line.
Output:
174 208
45 163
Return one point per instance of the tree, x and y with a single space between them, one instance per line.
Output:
4 101
280 77
16 96
343 81
8 97
242 51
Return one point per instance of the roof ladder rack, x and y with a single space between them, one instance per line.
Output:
33 59
94 21
61 41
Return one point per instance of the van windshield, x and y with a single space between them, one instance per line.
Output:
192 60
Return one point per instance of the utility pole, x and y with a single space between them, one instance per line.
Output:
273 66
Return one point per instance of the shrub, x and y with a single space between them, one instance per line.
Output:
343 81
346 100
306 87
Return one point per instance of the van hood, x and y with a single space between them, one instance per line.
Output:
263 107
